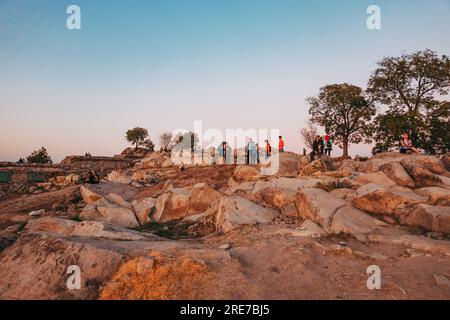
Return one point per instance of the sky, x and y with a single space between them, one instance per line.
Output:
163 64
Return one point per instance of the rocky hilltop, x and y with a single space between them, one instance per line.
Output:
160 231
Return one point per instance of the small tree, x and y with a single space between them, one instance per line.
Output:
137 136
309 133
148 144
187 140
343 110
165 139
39 156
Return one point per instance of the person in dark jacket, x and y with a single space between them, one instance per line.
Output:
93 178
318 147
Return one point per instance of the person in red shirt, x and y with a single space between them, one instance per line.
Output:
268 149
281 144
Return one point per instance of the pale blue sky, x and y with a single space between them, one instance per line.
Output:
162 64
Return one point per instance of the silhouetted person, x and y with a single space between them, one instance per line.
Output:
318 147
93 178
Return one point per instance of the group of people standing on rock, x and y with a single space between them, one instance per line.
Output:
321 146
252 151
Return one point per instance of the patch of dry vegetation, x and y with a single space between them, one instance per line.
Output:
166 279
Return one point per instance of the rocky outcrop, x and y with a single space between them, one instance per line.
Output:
385 201
277 198
119 177
431 218
313 167
112 209
318 205
349 220
376 177
235 211
36 267
438 196
201 197
396 172
172 205
144 209
245 173
155 160
94 192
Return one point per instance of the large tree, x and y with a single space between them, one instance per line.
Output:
344 112
409 87
137 136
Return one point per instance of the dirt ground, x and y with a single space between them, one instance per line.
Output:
263 264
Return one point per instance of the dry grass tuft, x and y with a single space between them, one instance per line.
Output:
157 278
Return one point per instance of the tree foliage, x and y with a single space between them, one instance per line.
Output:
409 86
137 136
344 111
40 156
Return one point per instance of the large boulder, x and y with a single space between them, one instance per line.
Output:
119 177
423 177
277 198
317 205
376 177
396 172
245 173
201 197
431 218
89 195
143 209
235 211
438 196
386 201
432 164
172 205
313 167
119 216
36 266
94 192
351 221
155 160
112 209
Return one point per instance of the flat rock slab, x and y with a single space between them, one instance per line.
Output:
36 202
35 267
